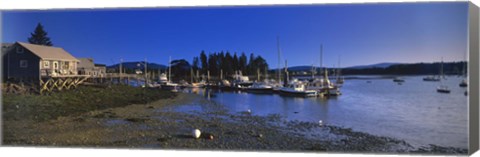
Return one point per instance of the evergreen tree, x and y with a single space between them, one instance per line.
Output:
195 63
204 60
213 64
228 64
39 37
242 62
251 69
235 62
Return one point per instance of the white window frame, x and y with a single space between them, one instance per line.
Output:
46 64
23 63
55 65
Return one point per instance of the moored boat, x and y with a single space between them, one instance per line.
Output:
260 87
463 83
398 79
443 89
431 78
297 88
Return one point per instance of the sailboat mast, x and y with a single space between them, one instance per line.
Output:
279 60
191 75
258 74
321 58
338 68
441 69
170 68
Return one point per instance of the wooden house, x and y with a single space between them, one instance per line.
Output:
29 62
86 66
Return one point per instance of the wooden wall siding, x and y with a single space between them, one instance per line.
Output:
12 61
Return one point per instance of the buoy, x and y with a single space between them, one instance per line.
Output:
210 137
320 122
196 133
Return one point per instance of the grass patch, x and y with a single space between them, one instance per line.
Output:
76 101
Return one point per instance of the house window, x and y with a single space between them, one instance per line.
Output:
46 64
23 63
19 49
55 65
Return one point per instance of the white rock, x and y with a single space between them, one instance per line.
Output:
196 133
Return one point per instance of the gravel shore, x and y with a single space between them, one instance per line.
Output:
168 123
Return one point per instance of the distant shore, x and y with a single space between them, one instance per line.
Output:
156 123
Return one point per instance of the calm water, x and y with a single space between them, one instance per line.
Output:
413 111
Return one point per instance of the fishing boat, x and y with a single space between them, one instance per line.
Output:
323 86
297 88
226 85
241 81
260 87
193 84
442 88
463 83
165 83
431 78
398 79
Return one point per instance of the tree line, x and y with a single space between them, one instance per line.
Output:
229 64
451 68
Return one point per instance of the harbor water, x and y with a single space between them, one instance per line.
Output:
412 111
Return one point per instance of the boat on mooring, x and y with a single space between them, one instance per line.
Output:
398 79
260 87
297 88
165 83
431 78
442 88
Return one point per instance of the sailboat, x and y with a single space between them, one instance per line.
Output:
432 78
323 86
167 84
464 80
259 86
278 84
193 84
295 87
442 88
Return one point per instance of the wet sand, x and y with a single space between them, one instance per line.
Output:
160 125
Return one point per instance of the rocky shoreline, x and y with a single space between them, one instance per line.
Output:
162 125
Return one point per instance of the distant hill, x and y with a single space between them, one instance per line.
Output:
309 68
378 65
134 65
393 68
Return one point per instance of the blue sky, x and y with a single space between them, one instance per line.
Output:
357 33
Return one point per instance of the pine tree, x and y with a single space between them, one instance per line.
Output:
39 37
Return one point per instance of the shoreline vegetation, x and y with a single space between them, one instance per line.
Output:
130 117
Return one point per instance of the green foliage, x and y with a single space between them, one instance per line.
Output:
76 101
39 37
218 62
